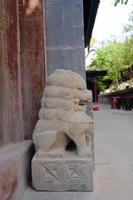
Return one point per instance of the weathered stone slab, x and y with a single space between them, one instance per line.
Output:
62 174
15 170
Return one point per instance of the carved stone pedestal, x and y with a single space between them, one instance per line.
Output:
72 174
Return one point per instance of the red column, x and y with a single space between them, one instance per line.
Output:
94 92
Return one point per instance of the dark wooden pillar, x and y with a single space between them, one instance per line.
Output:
2 73
32 60
22 74
11 121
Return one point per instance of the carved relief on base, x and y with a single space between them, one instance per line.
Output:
62 175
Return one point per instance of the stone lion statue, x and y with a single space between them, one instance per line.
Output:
61 118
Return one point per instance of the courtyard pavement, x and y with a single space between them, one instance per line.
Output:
114 154
113 176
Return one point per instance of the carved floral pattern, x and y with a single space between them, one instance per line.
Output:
61 176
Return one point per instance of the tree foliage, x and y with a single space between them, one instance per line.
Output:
116 2
128 28
113 57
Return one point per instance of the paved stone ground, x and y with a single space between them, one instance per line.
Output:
114 160
31 195
114 154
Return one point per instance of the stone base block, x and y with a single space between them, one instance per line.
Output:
62 174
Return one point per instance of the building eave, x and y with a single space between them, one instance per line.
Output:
90 12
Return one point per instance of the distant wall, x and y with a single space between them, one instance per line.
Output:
64 35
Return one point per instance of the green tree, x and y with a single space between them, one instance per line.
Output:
113 57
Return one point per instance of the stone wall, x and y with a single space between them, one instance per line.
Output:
21 70
64 35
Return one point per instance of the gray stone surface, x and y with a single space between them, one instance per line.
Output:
33 195
64 35
114 157
62 174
